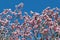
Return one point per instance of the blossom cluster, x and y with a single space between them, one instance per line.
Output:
38 26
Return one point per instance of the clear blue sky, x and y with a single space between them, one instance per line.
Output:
35 5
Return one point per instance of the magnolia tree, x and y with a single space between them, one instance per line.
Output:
44 26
